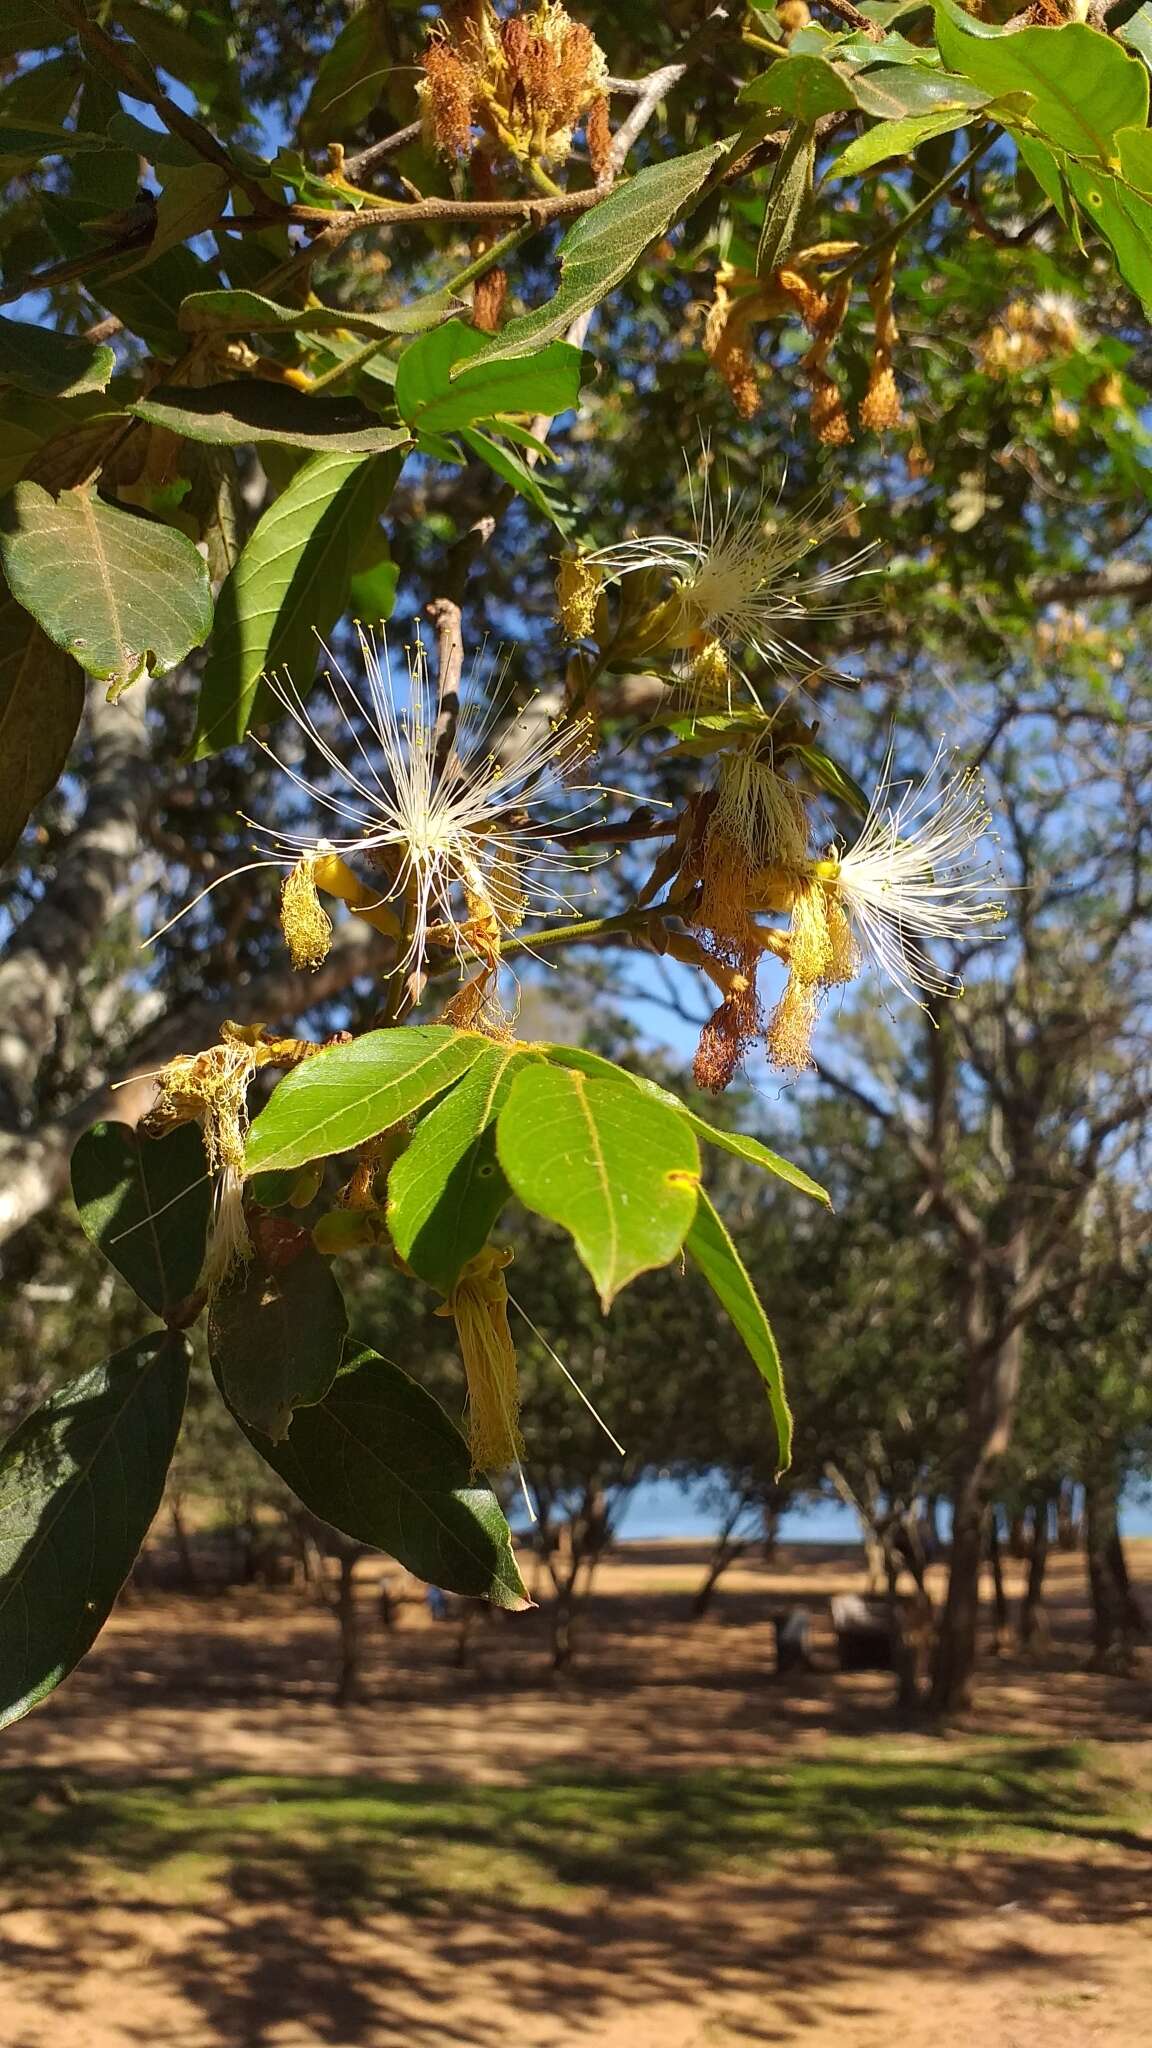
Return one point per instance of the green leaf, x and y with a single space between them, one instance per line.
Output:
709 1244
805 87
203 63
379 1459
1123 217
788 195
246 312
276 1337
1137 32
1083 85
900 91
349 79
893 139
603 246
538 489
192 200
236 414
834 780
738 1142
41 700
447 1189
125 596
290 583
372 588
430 401
79 1484
616 1168
148 300
30 25
52 365
146 1203
1134 147
347 1094
23 142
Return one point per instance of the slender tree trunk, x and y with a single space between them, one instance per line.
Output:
1000 1598
1068 1523
725 1551
994 1368
1037 1565
1108 1583
188 1571
348 1620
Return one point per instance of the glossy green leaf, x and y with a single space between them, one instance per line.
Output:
709 1244
739 1142
41 700
349 79
899 91
122 594
146 1203
239 413
79 1484
349 1093
430 401
447 1188
290 583
247 312
380 1460
1083 85
276 1337
53 365
604 244
616 1167
1123 217
804 87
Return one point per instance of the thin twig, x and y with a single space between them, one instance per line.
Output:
845 11
365 158
444 613
651 90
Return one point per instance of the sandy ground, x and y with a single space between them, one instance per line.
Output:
1002 1949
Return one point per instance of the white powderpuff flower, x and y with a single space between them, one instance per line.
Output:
443 819
916 872
738 578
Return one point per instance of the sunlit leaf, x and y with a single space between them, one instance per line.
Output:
709 1244
349 1093
237 414
447 1188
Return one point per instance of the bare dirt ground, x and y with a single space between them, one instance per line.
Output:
965 1909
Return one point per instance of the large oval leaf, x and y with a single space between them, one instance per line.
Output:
718 1259
235 415
146 1203
123 595
617 1168
276 1337
350 1093
290 583
79 1484
41 699
1083 86
379 1459
447 1188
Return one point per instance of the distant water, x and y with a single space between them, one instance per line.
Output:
665 1508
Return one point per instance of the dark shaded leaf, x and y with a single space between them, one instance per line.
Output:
79 1484
350 78
380 1460
276 1335
41 700
788 195
52 365
146 1203
802 86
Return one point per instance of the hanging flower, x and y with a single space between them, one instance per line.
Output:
523 82
738 580
442 821
915 873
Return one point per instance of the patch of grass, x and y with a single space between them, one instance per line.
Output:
353 1844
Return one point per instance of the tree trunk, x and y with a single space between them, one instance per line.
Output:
563 1620
1037 1565
188 1571
348 1619
1068 1523
994 1364
1000 1598
1114 1608
724 1553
